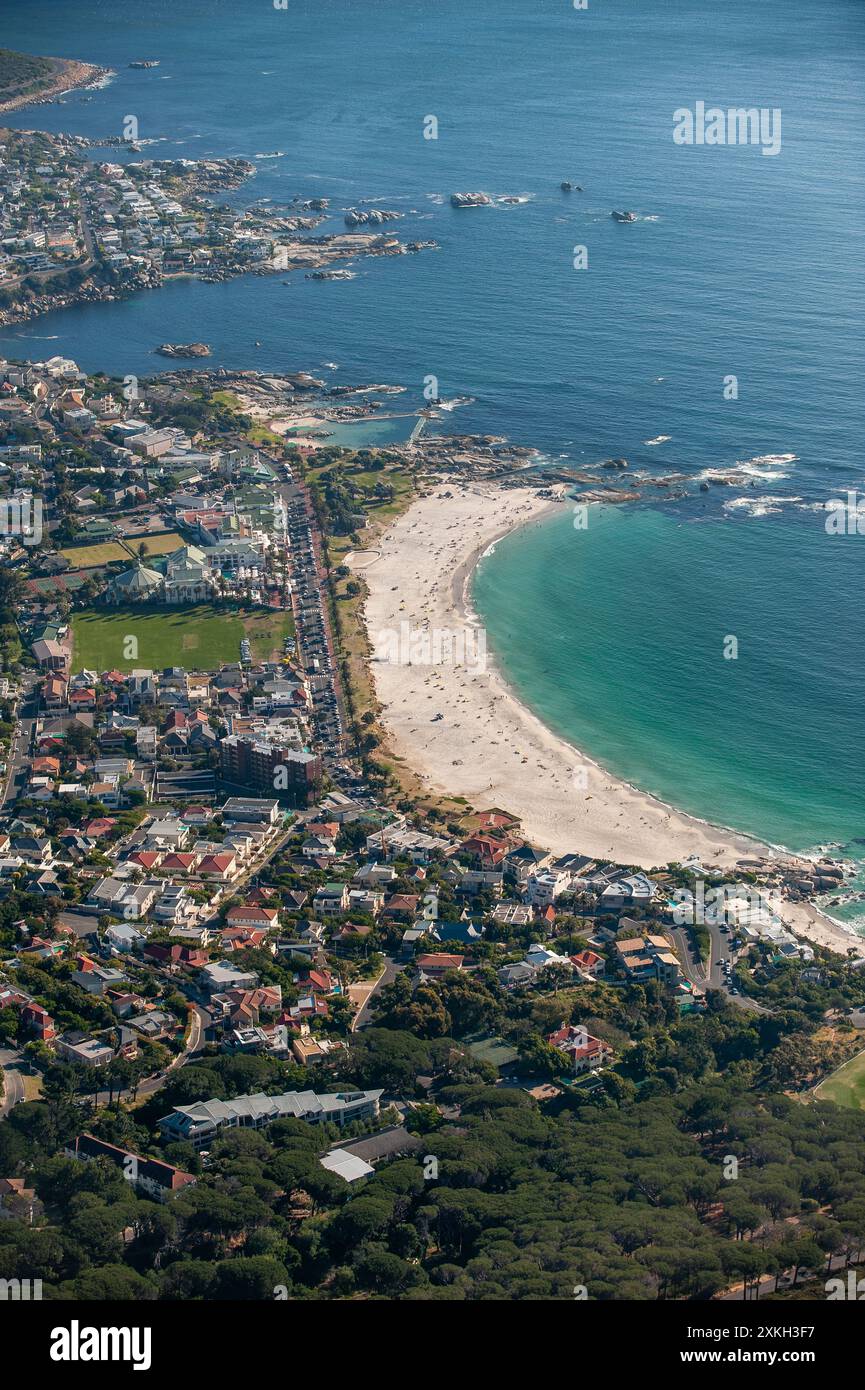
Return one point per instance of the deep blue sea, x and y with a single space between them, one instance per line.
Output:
739 264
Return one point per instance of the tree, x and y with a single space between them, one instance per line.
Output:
257 1277
112 1283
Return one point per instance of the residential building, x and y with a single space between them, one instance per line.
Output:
198 1123
586 1052
151 1176
77 1047
247 761
331 899
648 958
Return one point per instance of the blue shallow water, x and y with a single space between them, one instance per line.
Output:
740 265
617 634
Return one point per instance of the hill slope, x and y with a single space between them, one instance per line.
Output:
24 77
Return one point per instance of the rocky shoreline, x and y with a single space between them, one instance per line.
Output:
255 240
70 75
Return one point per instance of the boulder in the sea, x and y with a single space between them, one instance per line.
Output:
470 200
183 350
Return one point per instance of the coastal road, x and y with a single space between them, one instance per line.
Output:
704 974
710 975
308 569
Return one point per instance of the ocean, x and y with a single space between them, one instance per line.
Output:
740 265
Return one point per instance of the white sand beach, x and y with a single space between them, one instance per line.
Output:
465 733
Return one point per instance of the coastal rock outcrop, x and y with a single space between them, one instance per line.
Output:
470 200
183 350
372 217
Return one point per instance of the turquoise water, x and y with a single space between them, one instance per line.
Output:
739 264
616 636
365 434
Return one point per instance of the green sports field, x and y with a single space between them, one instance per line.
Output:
163 543
199 638
88 557
846 1086
267 629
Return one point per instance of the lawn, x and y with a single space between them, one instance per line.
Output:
199 638
162 544
846 1086
32 1087
261 435
267 629
89 557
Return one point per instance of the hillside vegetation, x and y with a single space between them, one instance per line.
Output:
23 74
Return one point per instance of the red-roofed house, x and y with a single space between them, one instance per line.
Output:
590 962
487 852
174 955
260 896
38 1021
247 916
145 859
157 1179
241 938
46 767
83 699
99 827
222 867
317 982
586 1053
402 905
54 692
323 829
181 863
436 965
243 1007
